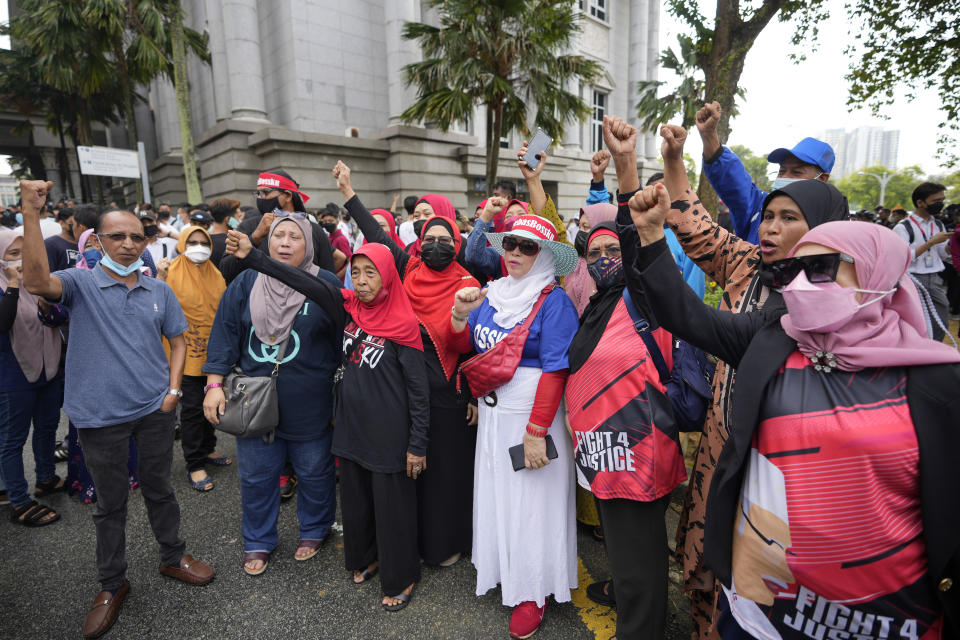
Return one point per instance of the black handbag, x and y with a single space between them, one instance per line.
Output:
252 409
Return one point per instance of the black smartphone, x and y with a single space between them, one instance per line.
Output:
541 142
516 453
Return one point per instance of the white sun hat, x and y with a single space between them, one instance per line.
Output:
541 231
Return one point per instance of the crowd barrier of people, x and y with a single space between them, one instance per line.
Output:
477 384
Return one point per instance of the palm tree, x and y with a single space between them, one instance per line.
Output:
504 54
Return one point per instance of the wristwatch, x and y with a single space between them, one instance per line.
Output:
175 392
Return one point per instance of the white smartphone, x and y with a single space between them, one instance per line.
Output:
541 142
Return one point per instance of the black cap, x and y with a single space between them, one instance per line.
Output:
201 217
147 215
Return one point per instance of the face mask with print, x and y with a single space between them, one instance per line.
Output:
198 253
606 272
823 307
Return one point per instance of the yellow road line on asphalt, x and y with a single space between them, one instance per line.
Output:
602 621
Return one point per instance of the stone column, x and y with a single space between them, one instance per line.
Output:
400 52
639 58
218 60
572 131
653 64
241 42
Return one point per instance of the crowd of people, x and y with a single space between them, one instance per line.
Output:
476 383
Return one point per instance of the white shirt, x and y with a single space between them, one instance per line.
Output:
157 252
931 261
170 231
49 227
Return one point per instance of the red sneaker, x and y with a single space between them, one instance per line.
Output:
526 619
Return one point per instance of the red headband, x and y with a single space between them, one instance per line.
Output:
602 231
275 181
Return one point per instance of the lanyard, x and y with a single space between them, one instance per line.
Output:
932 229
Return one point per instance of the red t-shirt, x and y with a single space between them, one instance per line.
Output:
829 539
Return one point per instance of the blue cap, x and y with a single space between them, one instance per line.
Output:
809 150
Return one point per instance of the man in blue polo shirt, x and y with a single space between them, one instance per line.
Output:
118 383
810 159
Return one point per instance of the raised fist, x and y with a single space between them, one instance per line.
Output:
341 173
33 193
649 207
708 118
467 300
238 244
619 136
674 138
599 164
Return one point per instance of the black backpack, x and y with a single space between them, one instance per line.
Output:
906 223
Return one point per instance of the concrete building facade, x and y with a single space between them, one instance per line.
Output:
300 84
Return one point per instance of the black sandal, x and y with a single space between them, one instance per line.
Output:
53 485
32 515
602 593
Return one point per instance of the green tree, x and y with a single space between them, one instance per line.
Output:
504 54
863 191
654 109
756 166
914 43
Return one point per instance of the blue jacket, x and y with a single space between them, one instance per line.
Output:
729 178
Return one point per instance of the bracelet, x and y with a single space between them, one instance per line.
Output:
453 312
213 385
535 431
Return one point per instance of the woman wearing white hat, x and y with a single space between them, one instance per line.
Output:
524 534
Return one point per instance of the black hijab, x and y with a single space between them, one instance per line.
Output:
595 317
818 201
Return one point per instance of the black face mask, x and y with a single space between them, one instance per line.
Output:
437 256
267 205
418 227
150 230
580 242
329 227
935 208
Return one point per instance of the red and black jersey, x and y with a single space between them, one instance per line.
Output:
828 542
625 437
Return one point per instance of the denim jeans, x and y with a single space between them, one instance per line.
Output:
41 406
106 450
259 466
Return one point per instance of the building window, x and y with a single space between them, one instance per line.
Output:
596 121
597 8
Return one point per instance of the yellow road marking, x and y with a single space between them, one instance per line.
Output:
602 621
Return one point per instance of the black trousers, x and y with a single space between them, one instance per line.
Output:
952 280
380 523
105 450
635 536
197 436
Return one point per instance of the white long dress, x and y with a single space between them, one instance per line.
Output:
524 531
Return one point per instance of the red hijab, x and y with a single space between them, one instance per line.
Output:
500 224
431 293
442 207
386 215
390 315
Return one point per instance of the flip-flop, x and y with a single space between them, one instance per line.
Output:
256 555
404 599
313 545
204 485
367 574
220 461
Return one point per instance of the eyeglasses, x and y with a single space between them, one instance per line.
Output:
442 240
527 247
611 252
821 267
120 237
264 193
195 243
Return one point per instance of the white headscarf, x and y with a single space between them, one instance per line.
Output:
513 298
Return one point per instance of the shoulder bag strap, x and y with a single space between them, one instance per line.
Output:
536 307
643 330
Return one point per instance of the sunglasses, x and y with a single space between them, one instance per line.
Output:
280 213
527 247
821 267
120 237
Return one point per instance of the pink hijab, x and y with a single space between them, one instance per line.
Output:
891 332
579 285
81 243
35 345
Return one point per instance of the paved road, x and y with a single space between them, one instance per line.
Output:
48 580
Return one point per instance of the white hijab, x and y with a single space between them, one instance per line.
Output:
513 298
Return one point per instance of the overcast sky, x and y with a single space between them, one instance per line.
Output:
787 102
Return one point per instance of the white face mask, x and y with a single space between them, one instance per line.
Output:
198 253
780 183
10 263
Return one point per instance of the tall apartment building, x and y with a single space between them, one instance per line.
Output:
299 84
861 148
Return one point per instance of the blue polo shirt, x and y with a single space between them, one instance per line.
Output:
116 368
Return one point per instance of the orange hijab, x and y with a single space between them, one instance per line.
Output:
198 288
